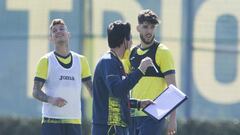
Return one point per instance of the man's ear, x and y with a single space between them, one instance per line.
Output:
138 28
50 38
124 42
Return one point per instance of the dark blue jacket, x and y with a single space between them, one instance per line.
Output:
110 80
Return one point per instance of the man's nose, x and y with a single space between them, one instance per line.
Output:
58 31
149 31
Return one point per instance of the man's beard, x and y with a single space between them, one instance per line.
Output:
146 42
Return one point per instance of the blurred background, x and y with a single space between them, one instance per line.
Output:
203 36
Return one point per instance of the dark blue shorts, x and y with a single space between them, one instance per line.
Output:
61 129
98 129
145 125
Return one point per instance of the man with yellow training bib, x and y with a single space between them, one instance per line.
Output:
58 82
154 80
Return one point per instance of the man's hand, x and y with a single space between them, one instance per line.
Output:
145 63
57 101
172 128
144 103
172 124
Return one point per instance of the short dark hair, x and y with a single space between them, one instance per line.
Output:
117 31
147 15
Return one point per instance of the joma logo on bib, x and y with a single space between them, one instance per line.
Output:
66 78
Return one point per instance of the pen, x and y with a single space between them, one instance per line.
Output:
155 68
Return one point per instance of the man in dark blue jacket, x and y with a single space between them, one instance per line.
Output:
111 86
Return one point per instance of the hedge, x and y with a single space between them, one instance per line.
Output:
20 126
194 127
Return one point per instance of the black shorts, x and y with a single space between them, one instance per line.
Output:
60 129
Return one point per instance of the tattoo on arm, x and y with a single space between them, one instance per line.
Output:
38 93
88 84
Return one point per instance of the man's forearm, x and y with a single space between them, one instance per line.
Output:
172 115
134 103
88 84
121 87
170 79
38 93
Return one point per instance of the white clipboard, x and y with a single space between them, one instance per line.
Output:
167 101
